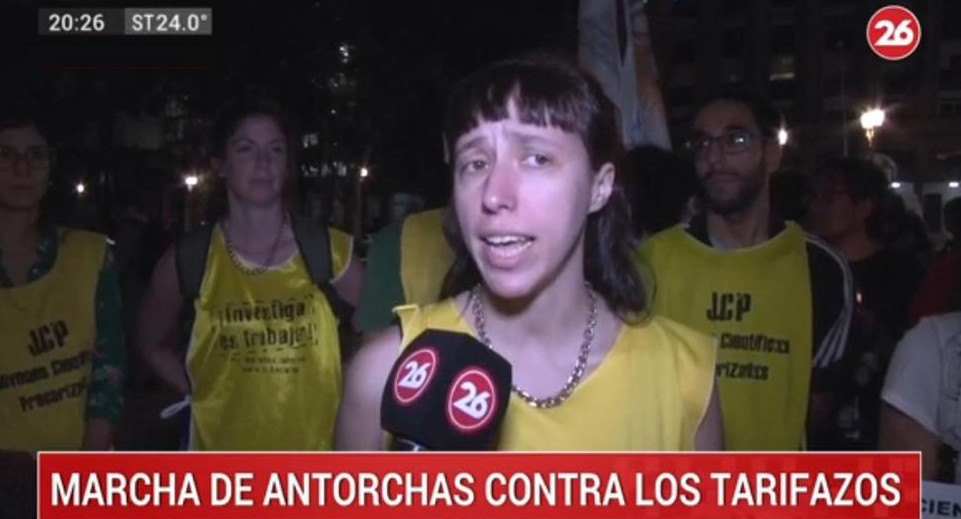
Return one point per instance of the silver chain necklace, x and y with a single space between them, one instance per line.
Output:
239 263
477 307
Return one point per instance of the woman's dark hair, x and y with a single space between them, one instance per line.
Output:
226 123
551 91
864 180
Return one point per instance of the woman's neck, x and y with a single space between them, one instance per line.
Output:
255 227
20 229
551 317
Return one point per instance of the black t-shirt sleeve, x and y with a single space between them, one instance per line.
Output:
832 300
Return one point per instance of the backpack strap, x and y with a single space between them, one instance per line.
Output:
313 240
190 255
191 258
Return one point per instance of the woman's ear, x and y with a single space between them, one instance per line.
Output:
602 186
446 147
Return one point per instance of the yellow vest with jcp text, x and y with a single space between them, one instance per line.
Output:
650 393
47 336
425 257
264 356
757 302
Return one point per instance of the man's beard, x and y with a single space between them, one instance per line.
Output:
748 191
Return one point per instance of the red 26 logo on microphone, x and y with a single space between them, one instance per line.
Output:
471 400
414 375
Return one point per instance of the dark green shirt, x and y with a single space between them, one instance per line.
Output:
105 395
383 289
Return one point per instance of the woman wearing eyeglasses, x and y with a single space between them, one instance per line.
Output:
61 345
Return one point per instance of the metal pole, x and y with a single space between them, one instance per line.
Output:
358 209
844 111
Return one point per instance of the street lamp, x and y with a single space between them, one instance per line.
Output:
363 173
871 120
782 136
81 188
191 182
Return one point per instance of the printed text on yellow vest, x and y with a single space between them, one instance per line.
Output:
47 334
757 303
263 361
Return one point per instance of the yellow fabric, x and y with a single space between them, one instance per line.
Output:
425 257
47 335
757 302
264 359
649 393
341 248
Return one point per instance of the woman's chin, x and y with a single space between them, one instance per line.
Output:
508 285
259 199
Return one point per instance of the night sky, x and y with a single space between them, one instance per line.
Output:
406 55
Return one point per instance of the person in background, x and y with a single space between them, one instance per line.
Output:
543 275
851 197
62 352
778 301
406 264
940 290
263 365
922 408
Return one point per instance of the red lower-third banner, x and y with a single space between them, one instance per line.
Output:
481 486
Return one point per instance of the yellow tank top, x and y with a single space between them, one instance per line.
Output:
425 257
757 302
649 394
47 336
264 356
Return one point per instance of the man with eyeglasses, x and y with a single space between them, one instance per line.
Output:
778 301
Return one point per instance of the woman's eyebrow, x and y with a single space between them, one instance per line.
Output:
471 143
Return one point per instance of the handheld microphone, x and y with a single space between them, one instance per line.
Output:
446 392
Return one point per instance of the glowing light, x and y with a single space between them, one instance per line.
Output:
782 136
871 120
